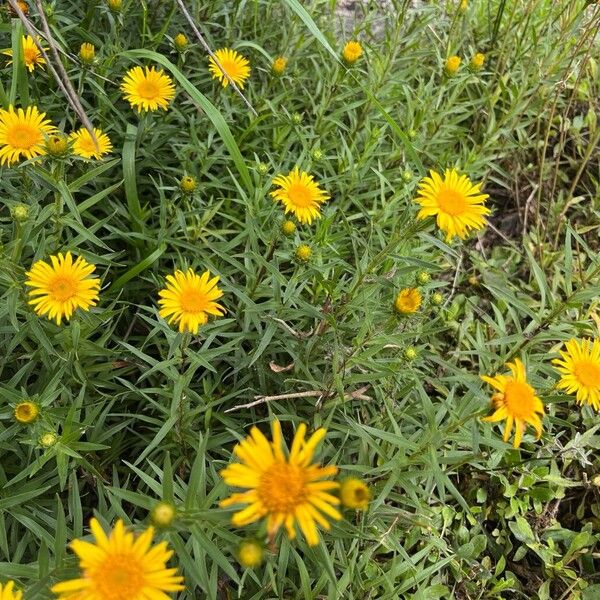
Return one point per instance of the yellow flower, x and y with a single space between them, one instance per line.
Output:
580 370
83 144
26 412
352 52
163 514
300 195
250 554
303 253
180 42
23 133
148 89
31 53
355 493
233 63
57 145
63 287
455 201
515 402
464 4
47 440
8 592
188 299
188 184
115 5
288 228
279 65
22 5
408 301
120 567
87 53
285 488
477 61
452 65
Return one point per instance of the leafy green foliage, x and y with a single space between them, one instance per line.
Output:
143 413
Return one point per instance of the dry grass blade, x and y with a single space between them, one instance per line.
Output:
202 41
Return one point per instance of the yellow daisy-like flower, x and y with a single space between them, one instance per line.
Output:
279 65
452 64
8 592
83 144
285 489
23 133
300 195
121 567
455 201
63 287
31 53
355 493
233 63
188 299
352 52
408 301
515 402
26 412
148 89
579 367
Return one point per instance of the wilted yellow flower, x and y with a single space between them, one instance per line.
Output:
287 489
148 89
63 287
233 63
452 65
408 301
31 53
579 367
26 412
22 5
279 65
189 299
300 195
455 201
352 52
87 53
120 566
515 402
23 133
355 493
477 61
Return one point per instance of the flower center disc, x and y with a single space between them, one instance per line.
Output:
22 137
118 578
587 373
451 202
518 397
148 90
63 289
299 195
282 488
29 55
192 301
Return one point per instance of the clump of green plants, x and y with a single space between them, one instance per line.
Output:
296 306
